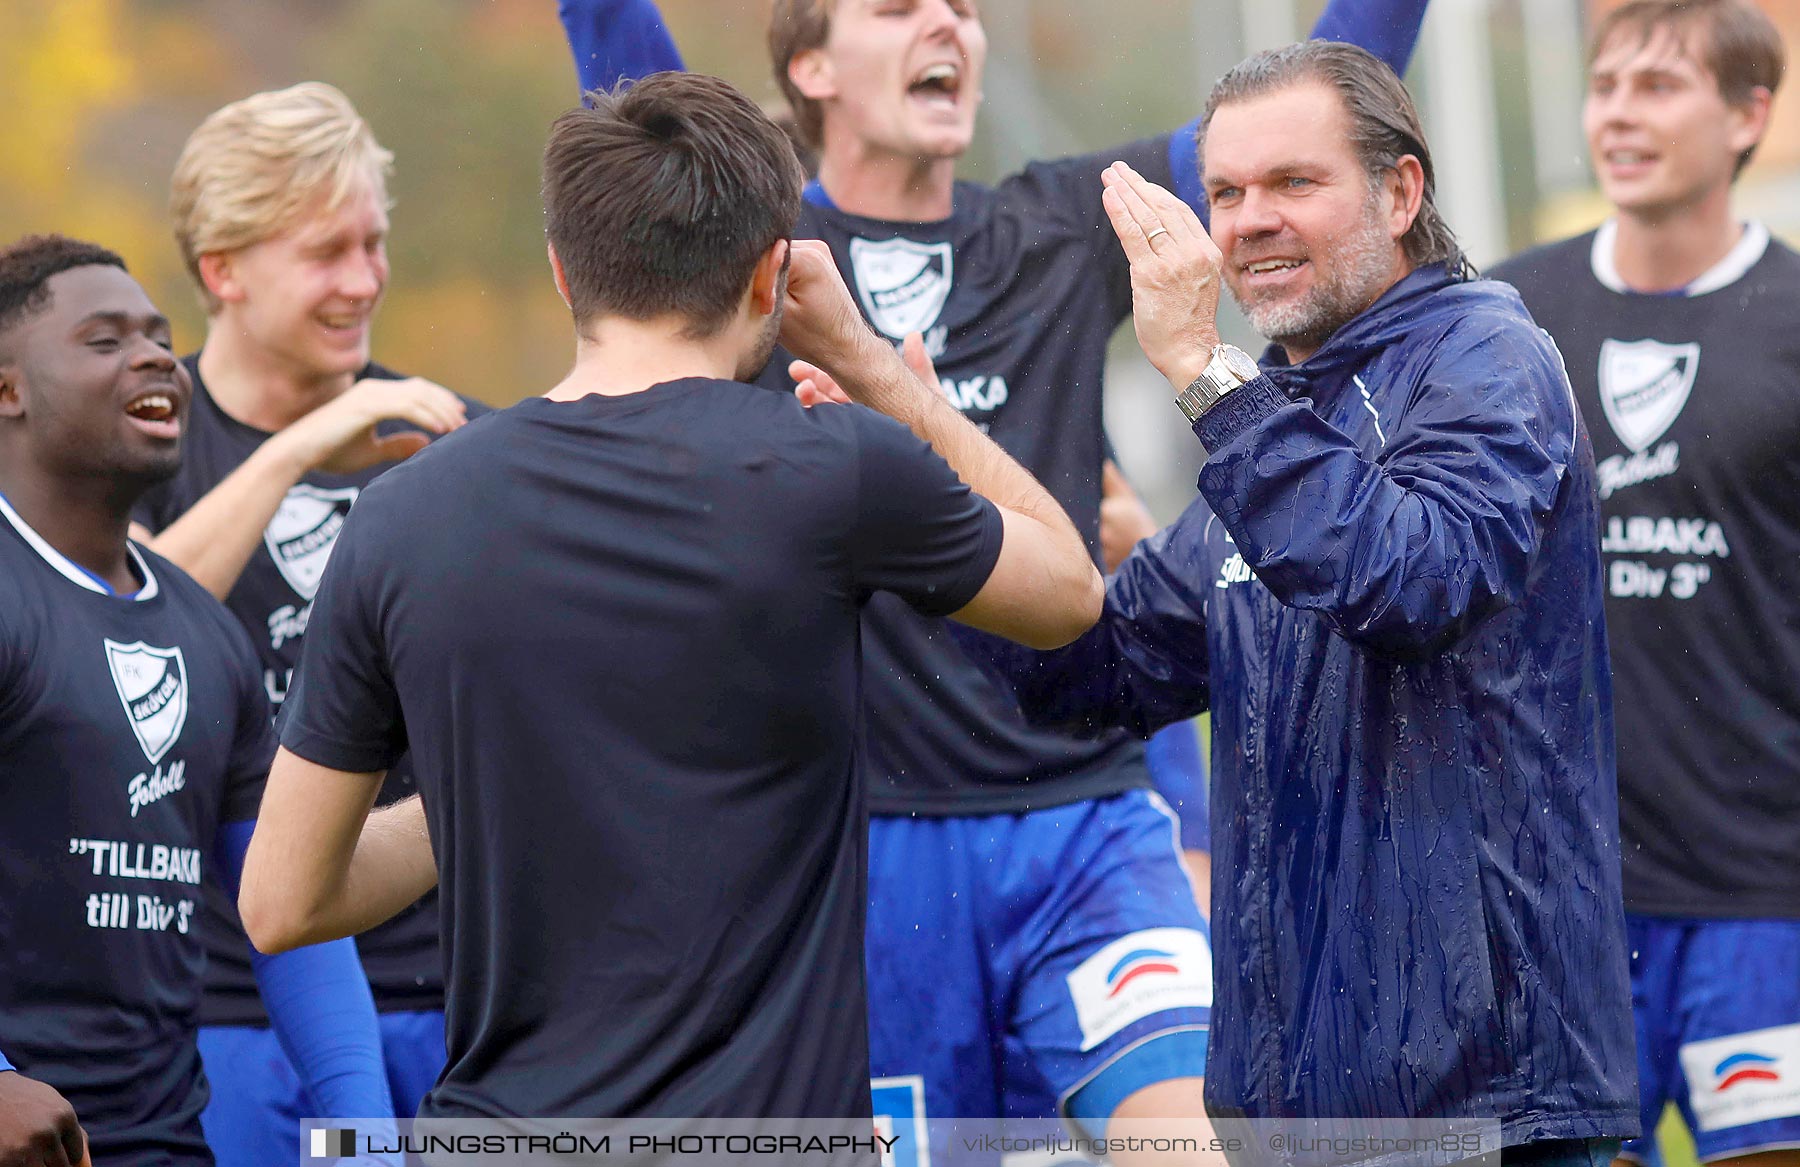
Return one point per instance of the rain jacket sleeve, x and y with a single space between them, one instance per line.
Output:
1143 665
1405 551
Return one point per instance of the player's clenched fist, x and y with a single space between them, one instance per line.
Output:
37 1127
820 323
814 386
340 437
1174 273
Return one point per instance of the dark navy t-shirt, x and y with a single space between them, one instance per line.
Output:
1694 404
130 729
273 599
1017 294
621 638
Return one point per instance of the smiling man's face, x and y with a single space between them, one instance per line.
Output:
94 381
1661 135
307 296
1308 240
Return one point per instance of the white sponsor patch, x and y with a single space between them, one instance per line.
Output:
152 686
903 284
1137 975
303 532
1744 1078
1643 386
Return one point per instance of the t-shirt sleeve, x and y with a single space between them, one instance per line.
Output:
1067 192
918 531
253 743
343 711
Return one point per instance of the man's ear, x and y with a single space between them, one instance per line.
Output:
1406 185
1749 121
12 398
812 73
765 282
556 272
218 272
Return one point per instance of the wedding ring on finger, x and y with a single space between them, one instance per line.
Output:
1151 238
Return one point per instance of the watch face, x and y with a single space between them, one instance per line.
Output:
1240 363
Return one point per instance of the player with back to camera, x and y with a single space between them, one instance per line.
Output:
694 554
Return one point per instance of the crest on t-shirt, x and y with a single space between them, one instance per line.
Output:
152 686
903 284
303 532
1643 386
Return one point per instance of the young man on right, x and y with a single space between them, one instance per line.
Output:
1677 322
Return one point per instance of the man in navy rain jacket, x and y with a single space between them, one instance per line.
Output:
1389 594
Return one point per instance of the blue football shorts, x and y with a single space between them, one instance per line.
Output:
258 1099
1033 965
1717 1006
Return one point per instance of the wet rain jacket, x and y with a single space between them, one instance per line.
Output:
1390 598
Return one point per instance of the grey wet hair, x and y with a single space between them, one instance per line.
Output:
1384 124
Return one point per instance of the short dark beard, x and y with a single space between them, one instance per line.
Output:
757 359
1368 255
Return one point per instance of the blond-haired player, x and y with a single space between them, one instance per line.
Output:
280 206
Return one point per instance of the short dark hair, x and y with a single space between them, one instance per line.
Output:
660 197
1739 45
27 266
1384 124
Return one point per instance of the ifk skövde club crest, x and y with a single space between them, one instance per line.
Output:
903 284
1643 386
152 685
303 532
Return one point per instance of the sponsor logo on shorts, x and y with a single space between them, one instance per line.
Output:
1744 1078
1745 1067
1144 962
1138 975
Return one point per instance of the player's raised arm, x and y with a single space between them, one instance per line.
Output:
1044 590
617 40
214 539
1387 28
